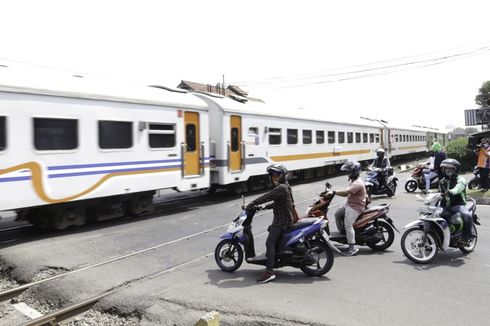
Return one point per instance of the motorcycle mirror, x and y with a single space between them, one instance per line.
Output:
328 185
243 199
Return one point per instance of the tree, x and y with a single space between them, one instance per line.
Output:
483 97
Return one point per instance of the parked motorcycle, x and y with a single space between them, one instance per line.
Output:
433 232
373 187
370 229
305 245
475 182
417 180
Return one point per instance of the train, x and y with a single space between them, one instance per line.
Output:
74 149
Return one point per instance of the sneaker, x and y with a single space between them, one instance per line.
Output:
266 277
393 197
424 192
351 251
464 242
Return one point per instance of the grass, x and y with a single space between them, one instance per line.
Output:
477 193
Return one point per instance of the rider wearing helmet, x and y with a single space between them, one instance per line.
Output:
383 163
282 205
438 158
454 189
355 204
429 172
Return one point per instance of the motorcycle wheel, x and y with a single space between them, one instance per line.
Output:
411 186
323 255
474 184
387 234
473 242
369 190
417 249
228 255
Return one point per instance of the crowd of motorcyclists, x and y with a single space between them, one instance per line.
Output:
451 186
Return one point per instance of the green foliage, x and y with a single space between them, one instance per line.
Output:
458 150
483 95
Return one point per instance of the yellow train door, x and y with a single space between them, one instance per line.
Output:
235 143
191 146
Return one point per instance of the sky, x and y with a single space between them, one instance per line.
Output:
407 62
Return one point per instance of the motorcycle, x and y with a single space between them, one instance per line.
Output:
305 245
475 182
417 180
434 231
369 228
373 187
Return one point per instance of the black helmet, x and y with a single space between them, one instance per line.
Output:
432 152
451 164
353 169
380 152
280 169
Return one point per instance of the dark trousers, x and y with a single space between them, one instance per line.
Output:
484 177
383 180
275 232
467 219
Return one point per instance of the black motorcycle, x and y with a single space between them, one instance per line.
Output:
475 182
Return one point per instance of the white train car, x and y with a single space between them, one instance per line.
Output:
71 149
246 137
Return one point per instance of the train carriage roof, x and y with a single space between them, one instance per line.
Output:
86 88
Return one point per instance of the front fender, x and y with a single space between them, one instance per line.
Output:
227 236
414 223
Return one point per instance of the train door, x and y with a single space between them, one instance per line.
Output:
235 145
191 147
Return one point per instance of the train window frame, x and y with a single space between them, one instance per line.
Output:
124 137
358 138
365 138
307 137
3 133
292 136
275 136
55 134
371 137
235 139
320 137
253 131
162 138
341 137
376 138
331 137
350 137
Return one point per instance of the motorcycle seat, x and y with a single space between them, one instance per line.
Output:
302 223
375 208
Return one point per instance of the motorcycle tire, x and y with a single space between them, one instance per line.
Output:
411 186
469 248
228 255
323 255
417 249
388 237
392 185
474 184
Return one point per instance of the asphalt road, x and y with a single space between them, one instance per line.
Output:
371 288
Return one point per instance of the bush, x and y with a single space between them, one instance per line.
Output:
458 150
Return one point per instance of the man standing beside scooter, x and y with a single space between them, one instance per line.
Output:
355 205
282 207
383 163
483 153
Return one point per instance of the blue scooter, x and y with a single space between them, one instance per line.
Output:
305 245
373 186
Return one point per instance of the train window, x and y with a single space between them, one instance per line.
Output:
307 139
275 136
358 137
253 131
191 137
376 138
371 138
3 133
292 136
350 137
161 135
396 138
331 137
320 137
55 134
235 140
364 137
341 137
115 134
